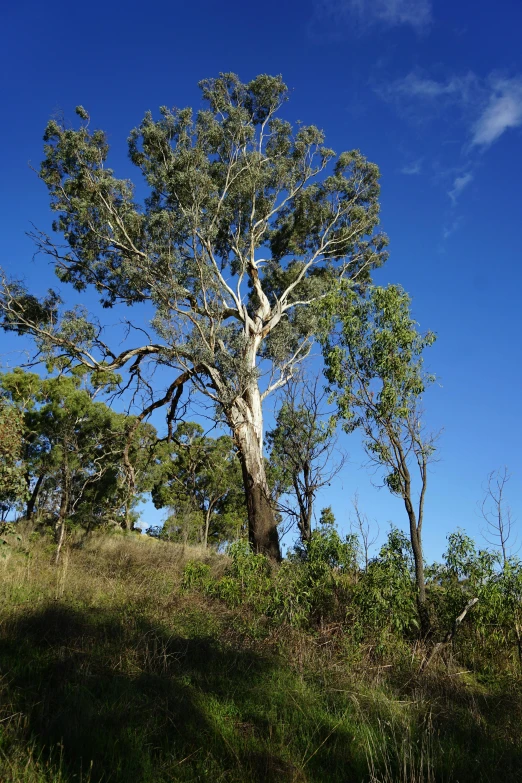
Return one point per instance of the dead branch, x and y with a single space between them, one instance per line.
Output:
449 636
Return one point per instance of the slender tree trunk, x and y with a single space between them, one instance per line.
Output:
207 525
309 502
415 534
246 420
130 480
308 521
416 544
31 503
62 514
208 517
305 501
306 507
60 536
301 522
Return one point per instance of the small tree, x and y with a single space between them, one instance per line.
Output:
246 224
385 595
302 450
500 533
200 482
12 469
374 365
497 514
362 528
73 449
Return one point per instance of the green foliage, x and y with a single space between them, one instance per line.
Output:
466 573
72 446
301 451
13 486
199 479
374 363
320 583
9 536
246 581
302 591
325 568
385 600
327 517
196 576
223 182
248 578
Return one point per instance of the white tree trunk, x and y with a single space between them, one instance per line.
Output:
246 420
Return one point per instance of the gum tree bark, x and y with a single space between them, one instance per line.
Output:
246 420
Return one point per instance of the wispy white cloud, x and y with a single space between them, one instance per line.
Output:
390 13
450 228
412 168
488 106
459 184
485 108
503 111
417 86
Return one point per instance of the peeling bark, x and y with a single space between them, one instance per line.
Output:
246 420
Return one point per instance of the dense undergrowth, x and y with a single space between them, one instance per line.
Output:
138 661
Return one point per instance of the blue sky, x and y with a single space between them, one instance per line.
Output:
430 90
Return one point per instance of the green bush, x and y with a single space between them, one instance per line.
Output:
321 583
196 576
385 597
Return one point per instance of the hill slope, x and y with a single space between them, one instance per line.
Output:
110 672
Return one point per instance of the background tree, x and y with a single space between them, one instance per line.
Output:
12 469
500 533
73 449
302 446
362 527
497 513
200 482
247 223
374 365
22 389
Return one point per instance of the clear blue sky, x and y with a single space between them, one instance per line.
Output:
431 90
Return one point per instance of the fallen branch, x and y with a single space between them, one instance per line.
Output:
449 636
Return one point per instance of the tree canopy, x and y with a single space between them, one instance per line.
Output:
71 450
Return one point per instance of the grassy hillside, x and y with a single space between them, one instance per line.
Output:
111 672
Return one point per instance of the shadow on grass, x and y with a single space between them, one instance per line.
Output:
109 697
120 701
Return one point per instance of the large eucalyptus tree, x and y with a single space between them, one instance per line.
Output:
247 223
